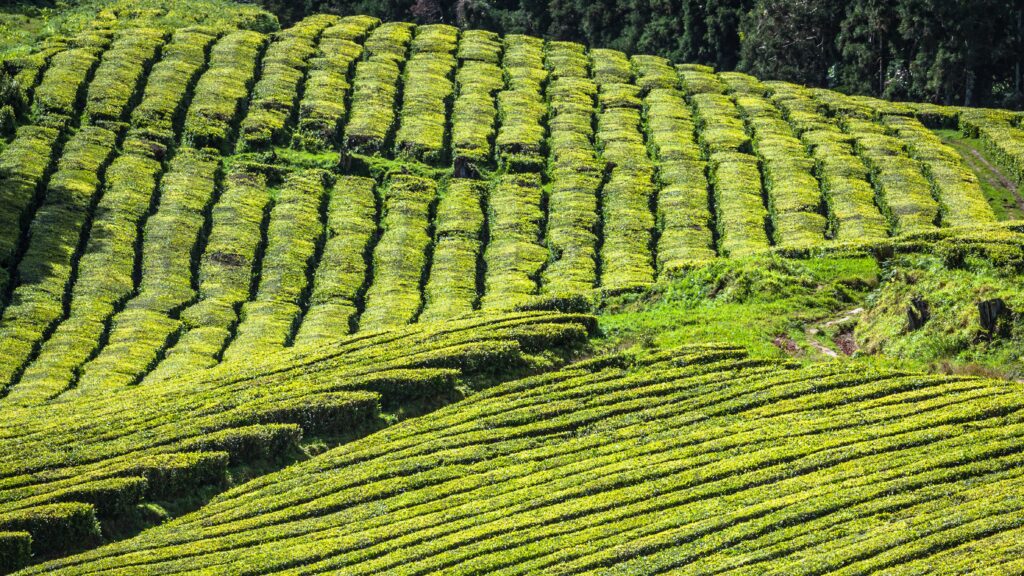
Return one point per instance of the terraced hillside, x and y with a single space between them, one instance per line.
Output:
368 297
178 199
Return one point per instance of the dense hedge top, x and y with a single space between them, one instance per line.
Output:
691 461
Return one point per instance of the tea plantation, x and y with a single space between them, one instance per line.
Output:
371 297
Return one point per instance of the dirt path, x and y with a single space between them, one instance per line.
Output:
1001 178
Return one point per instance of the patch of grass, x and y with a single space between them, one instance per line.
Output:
1000 191
762 303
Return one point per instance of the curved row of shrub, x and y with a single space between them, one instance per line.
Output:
692 461
47 269
521 105
474 110
66 464
225 275
684 221
282 77
452 288
375 87
401 255
323 108
514 256
955 186
427 93
845 181
740 214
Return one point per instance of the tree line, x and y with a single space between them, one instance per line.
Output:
956 52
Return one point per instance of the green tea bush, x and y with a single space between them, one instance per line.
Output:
220 95
341 274
294 231
451 290
400 257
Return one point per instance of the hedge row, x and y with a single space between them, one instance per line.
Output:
1004 144
29 70
521 105
24 163
954 185
479 46
474 111
902 192
294 232
627 222
276 94
120 74
739 206
322 108
514 256
427 94
168 84
225 274
654 72
740 83
610 67
351 28
847 193
566 60
105 279
697 79
139 333
720 126
575 176
792 469
400 257
44 275
451 290
60 93
221 94
342 271
55 528
794 197
683 218
375 88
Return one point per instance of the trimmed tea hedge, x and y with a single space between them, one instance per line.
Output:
514 257
139 334
375 88
400 257
341 274
45 274
427 94
220 95
295 231
451 290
